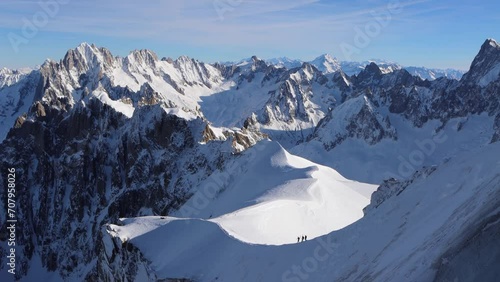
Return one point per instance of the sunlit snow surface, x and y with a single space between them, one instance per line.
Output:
401 240
277 198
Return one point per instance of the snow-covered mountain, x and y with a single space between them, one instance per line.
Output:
9 77
162 169
285 62
424 120
326 64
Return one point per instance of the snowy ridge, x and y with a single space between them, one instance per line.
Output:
418 216
294 197
295 193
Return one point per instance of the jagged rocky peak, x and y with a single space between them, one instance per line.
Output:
355 118
195 72
485 67
227 71
187 64
144 57
85 57
493 43
400 77
258 64
308 67
341 80
373 68
255 59
490 45
308 73
369 74
168 60
184 60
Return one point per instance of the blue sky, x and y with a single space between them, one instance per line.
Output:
427 33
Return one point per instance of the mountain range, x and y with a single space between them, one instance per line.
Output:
329 64
144 168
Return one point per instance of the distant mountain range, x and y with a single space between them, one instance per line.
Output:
329 64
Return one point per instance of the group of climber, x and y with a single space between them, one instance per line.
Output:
304 238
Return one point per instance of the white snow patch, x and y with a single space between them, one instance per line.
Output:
119 106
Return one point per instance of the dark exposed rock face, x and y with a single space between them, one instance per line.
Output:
393 187
357 118
81 170
292 99
366 126
119 261
370 75
486 60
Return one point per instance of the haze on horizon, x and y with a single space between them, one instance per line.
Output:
444 34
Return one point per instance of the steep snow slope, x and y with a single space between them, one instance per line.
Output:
414 147
410 236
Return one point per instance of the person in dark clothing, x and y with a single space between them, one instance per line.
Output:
298 239
305 237
302 238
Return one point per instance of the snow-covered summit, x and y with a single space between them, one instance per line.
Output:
285 62
326 63
485 67
493 43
